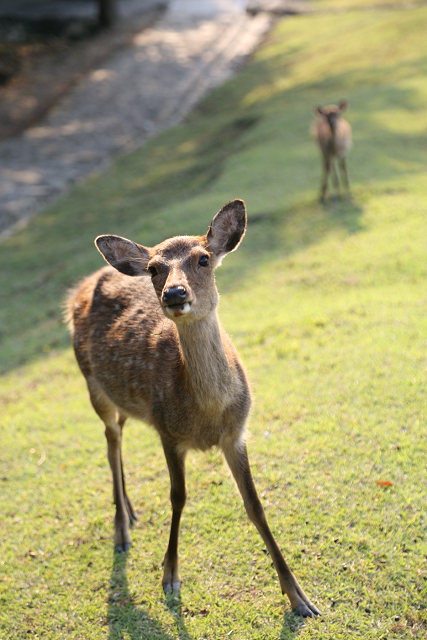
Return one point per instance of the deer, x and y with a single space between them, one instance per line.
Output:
148 340
333 135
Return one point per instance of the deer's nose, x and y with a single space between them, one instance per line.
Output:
174 295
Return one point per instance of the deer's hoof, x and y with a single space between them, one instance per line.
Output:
132 519
122 548
307 611
175 587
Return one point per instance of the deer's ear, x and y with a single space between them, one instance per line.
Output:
227 228
318 109
343 105
124 255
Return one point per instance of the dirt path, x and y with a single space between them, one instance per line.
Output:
140 90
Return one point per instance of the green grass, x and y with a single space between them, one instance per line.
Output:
367 5
327 306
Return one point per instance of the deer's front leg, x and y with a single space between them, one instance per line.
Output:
176 465
237 458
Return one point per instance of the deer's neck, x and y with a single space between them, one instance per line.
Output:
209 369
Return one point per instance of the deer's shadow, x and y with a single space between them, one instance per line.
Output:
292 626
128 619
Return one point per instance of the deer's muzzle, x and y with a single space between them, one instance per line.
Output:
175 301
174 296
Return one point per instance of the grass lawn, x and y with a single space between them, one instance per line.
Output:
327 305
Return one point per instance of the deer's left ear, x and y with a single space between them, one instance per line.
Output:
227 229
343 105
318 109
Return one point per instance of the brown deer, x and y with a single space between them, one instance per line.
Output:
333 135
156 351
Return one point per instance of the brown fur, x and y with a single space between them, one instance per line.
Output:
156 351
333 135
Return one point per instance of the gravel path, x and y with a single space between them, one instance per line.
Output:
138 92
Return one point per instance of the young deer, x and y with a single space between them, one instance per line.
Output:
156 351
333 135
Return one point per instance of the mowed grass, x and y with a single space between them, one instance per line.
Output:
367 5
327 306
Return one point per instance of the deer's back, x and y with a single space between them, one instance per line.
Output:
337 144
123 341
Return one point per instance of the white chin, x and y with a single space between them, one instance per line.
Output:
178 311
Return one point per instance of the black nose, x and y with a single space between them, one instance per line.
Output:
174 295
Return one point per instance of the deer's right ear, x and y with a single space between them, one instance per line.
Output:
227 229
318 109
124 255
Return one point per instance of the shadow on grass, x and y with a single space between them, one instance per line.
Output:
127 619
286 231
41 262
293 625
344 212
174 605
30 329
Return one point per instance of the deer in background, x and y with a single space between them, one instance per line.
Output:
333 135
148 340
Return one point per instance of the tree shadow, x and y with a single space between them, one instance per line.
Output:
127 619
40 262
288 230
343 211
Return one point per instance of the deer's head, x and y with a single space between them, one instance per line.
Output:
332 113
181 268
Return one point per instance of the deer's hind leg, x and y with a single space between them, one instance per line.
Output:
129 508
335 176
344 173
113 421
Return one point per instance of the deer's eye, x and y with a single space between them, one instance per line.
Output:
203 261
153 271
